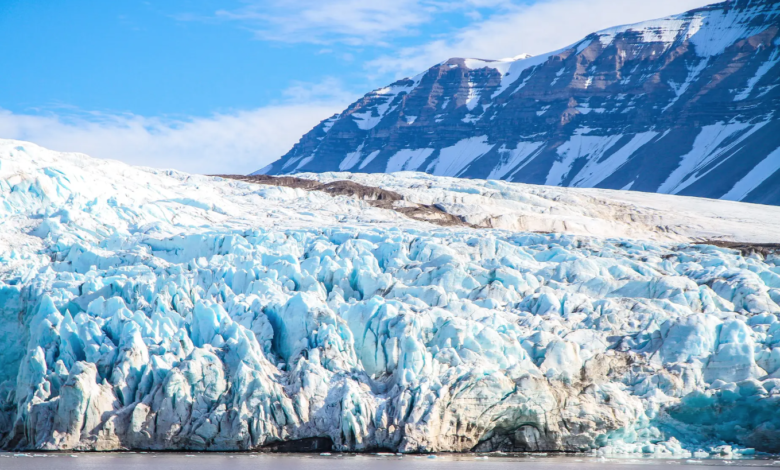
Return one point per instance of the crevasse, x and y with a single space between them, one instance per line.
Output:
162 311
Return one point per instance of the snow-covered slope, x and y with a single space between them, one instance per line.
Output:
594 212
681 105
158 310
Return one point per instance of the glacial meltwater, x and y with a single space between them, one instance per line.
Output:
336 461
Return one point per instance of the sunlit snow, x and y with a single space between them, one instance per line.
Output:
158 310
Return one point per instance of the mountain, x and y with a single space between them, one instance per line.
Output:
151 309
684 105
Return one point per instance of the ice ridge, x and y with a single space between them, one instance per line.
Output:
226 329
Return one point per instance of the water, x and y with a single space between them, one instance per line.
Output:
246 461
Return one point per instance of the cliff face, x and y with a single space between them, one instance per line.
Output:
151 309
682 105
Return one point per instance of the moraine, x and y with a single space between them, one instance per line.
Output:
681 105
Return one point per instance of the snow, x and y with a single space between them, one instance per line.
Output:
579 146
328 123
664 31
680 89
757 175
693 73
351 159
368 120
583 45
707 147
379 103
472 98
407 159
151 309
265 169
597 169
711 31
714 31
304 162
452 160
371 156
517 68
558 76
580 211
288 164
513 158
502 66
587 109
765 67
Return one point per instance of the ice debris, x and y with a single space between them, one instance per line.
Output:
188 334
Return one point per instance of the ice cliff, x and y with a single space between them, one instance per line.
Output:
149 309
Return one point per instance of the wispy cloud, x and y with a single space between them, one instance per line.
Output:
237 142
352 22
496 28
329 90
539 27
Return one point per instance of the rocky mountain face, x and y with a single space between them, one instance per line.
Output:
683 105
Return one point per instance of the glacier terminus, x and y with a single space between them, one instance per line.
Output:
156 310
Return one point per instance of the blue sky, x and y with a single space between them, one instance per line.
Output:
228 86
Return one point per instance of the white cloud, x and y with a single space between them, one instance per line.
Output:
543 26
244 141
328 90
352 22
238 142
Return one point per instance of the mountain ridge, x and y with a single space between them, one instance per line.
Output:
681 105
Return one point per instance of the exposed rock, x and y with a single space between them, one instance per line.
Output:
149 309
374 195
682 105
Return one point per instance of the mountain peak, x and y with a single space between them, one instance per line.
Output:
684 105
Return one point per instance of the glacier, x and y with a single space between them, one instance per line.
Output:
150 309
685 105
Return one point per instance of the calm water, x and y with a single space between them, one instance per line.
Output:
212 461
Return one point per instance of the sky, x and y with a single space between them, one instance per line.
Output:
229 86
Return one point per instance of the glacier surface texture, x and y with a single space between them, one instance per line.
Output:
149 309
